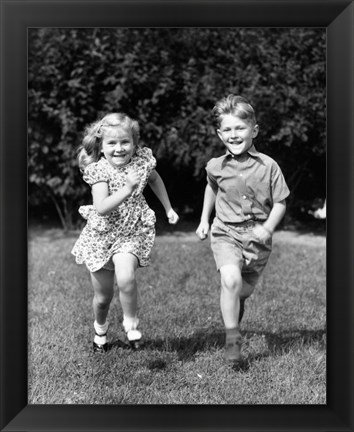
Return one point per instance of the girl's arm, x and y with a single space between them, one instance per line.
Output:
265 231
105 203
208 205
158 187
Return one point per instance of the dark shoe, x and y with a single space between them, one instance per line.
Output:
101 349
242 309
98 348
233 346
135 345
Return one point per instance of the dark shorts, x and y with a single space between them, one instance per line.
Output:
236 244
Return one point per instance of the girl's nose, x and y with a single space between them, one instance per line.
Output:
233 133
118 147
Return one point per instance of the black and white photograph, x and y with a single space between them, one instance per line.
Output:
179 252
177 188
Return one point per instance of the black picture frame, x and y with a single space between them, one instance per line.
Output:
16 17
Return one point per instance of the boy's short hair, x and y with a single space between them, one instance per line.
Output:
236 105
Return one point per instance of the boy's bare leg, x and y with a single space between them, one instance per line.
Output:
246 291
231 286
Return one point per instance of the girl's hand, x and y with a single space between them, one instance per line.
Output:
172 217
202 230
262 233
132 180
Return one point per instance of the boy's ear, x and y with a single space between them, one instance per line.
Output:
218 131
255 130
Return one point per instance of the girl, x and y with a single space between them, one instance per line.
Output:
120 229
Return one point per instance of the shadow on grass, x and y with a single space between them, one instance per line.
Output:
203 341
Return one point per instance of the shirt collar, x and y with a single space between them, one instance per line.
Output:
252 151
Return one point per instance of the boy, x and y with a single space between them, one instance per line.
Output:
248 190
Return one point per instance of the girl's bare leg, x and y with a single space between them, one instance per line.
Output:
125 268
103 284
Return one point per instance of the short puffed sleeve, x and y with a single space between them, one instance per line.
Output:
146 154
94 173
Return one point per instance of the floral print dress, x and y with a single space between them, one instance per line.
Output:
130 228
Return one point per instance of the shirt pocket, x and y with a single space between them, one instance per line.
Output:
260 193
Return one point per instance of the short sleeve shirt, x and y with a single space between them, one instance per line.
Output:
246 186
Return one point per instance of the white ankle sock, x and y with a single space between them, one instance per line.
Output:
130 326
101 330
130 323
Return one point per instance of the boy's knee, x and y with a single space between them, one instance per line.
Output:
249 282
247 289
231 278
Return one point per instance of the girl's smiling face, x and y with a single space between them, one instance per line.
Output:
237 134
117 145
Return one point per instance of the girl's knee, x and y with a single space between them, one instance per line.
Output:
125 278
102 301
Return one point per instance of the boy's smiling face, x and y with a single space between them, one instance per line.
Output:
237 134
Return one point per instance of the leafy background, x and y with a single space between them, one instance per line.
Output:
169 79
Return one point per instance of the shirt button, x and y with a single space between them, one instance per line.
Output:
244 197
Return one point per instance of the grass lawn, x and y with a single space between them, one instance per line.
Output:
284 328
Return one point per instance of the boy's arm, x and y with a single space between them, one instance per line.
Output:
265 231
208 205
159 189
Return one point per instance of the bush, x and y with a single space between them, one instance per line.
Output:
169 79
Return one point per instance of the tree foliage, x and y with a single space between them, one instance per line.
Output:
169 79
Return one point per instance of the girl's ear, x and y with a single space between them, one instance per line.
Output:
255 130
218 131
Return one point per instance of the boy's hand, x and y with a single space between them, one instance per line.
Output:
172 217
202 230
262 233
